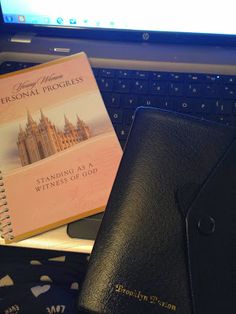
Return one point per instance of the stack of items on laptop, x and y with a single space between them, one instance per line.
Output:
152 58
143 59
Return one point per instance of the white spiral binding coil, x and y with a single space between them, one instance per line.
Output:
5 223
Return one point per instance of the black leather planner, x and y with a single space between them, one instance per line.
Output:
165 244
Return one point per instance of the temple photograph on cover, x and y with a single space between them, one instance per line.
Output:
42 132
38 140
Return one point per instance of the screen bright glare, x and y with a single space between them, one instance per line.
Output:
202 16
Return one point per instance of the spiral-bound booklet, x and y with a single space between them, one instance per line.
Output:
59 153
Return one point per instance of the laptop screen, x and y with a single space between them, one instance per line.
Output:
152 16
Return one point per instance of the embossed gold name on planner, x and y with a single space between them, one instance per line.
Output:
153 299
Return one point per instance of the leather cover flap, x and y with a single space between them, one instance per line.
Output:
211 232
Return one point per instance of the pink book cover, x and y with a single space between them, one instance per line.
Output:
59 153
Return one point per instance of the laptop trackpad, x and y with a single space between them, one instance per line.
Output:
86 228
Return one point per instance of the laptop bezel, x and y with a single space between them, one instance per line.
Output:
118 34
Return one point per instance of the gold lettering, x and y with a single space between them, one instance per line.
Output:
153 299
173 307
145 298
119 288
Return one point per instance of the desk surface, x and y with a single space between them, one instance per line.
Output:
56 239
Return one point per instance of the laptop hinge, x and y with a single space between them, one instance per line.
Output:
22 38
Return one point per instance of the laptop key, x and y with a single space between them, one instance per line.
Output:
128 116
158 88
229 79
116 115
140 87
194 90
122 86
195 78
164 103
210 90
229 91
129 101
141 75
125 73
107 73
122 131
111 100
105 84
176 89
202 106
148 101
158 76
177 77
223 107
184 105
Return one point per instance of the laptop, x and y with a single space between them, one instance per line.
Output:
179 56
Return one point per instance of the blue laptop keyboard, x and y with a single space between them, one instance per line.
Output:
208 96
